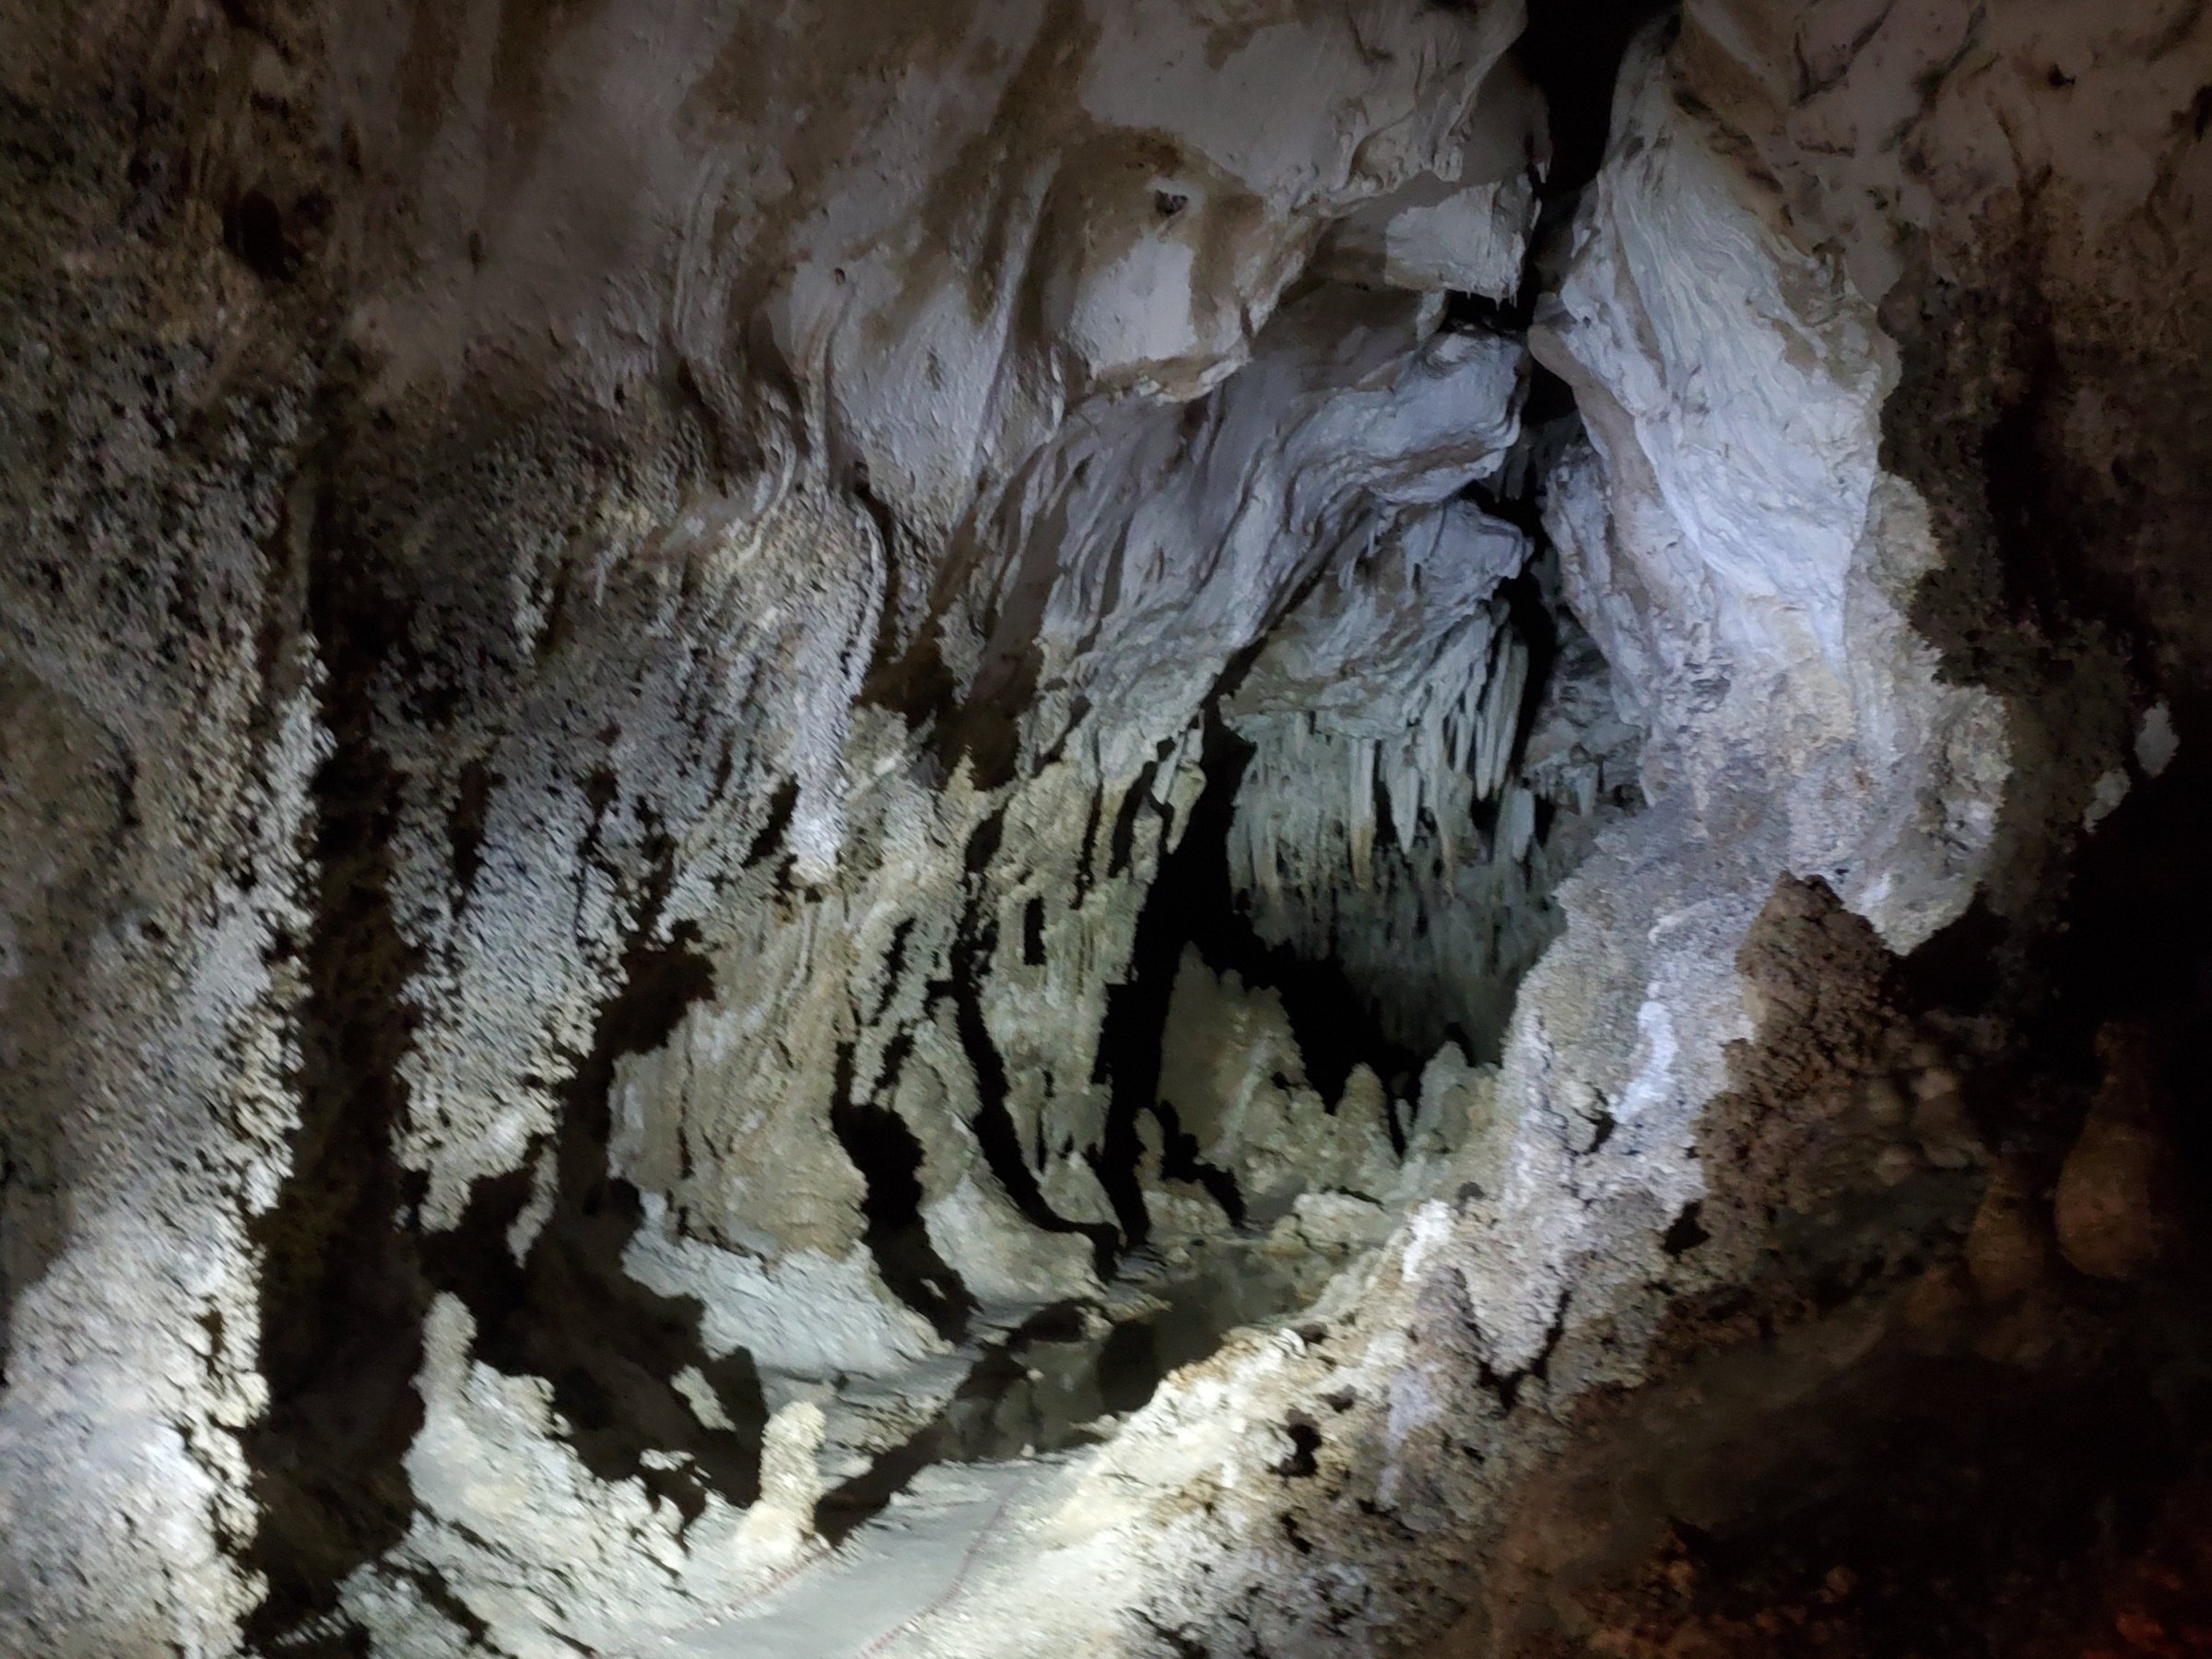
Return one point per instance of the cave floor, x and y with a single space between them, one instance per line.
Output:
907 1569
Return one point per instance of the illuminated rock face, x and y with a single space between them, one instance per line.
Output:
932 830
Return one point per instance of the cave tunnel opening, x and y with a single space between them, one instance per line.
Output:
1362 992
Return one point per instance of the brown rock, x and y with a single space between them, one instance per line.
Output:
2115 1208
2025 1335
2009 1249
2108 1208
1884 1104
1895 1165
1925 1054
1940 1124
1939 1302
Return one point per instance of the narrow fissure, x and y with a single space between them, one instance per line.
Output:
1573 55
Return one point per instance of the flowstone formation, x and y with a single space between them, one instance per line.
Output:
1055 825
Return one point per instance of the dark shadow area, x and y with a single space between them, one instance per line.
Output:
2020 1469
1573 51
996 1132
1938 1506
1200 1305
1179 1161
888 1158
2126 941
1871 1445
1194 902
2136 940
349 1278
568 1312
2077 598
2074 594
343 1297
1044 1387
888 1155
987 1419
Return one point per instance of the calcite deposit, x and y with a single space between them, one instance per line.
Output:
1101 826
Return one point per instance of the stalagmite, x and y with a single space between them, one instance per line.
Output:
2115 1202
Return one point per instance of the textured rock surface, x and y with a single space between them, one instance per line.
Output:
869 829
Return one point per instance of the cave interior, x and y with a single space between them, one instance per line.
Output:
1184 827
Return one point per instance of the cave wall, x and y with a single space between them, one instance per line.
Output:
609 624
637 564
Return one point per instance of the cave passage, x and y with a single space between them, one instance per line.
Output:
853 831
